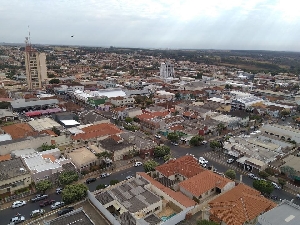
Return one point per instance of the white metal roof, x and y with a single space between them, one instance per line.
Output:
70 122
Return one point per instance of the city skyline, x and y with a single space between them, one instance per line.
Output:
189 24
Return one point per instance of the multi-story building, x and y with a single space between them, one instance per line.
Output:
35 63
166 70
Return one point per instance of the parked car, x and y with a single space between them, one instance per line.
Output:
174 143
47 202
204 142
58 190
129 177
138 164
17 204
103 175
276 185
17 219
65 211
37 212
202 160
231 160
90 180
39 197
57 205
157 136
252 176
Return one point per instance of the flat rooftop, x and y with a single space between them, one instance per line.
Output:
81 156
12 168
77 217
131 194
43 124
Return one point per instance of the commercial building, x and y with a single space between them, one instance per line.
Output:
281 132
13 176
166 70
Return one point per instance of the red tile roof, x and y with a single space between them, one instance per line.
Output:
203 182
98 130
239 205
147 116
19 130
178 196
186 165
5 157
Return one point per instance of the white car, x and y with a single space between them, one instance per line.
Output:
229 161
204 142
17 219
136 164
276 185
129 177
17 204
57 205
202 160
252 176
157 136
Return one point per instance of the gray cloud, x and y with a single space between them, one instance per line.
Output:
219 24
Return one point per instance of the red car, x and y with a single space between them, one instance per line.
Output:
47 202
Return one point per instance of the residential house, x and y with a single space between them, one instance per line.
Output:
119 113
238 206
179 169
153 122
19 130
120 148
82 158
13 176
6 115
143 144
45 165
92 134
133 112
122 101
204 185
228 121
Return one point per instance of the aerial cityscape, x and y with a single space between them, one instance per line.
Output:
150 113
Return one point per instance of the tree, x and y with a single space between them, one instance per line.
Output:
173 137
46 147
282 182
100 186
177 95
104 154
136 119
231 174
150 165
220 127
56 131
285 112
43 185
74 193
4 105
68 177
128 120
263 174
265 187
289 171
54 81
215 144
161 151
196 140
206 222
113 182
167 157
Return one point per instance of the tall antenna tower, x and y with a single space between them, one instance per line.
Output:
28 42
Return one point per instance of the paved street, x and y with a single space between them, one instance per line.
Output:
7 214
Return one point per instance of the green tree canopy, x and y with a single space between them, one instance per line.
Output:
231 174
136 119
206 222
161 151
100 186
282 182
150 165
128 119
265 187
74 193
113 182
196 140
43 186
4 105
56 131
177 95
173 137
67 177
215 144
289 171
54 81
46 147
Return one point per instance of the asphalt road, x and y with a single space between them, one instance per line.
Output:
7 214
178 151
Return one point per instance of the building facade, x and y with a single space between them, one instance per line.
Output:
166 70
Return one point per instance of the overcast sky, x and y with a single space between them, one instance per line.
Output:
200 24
